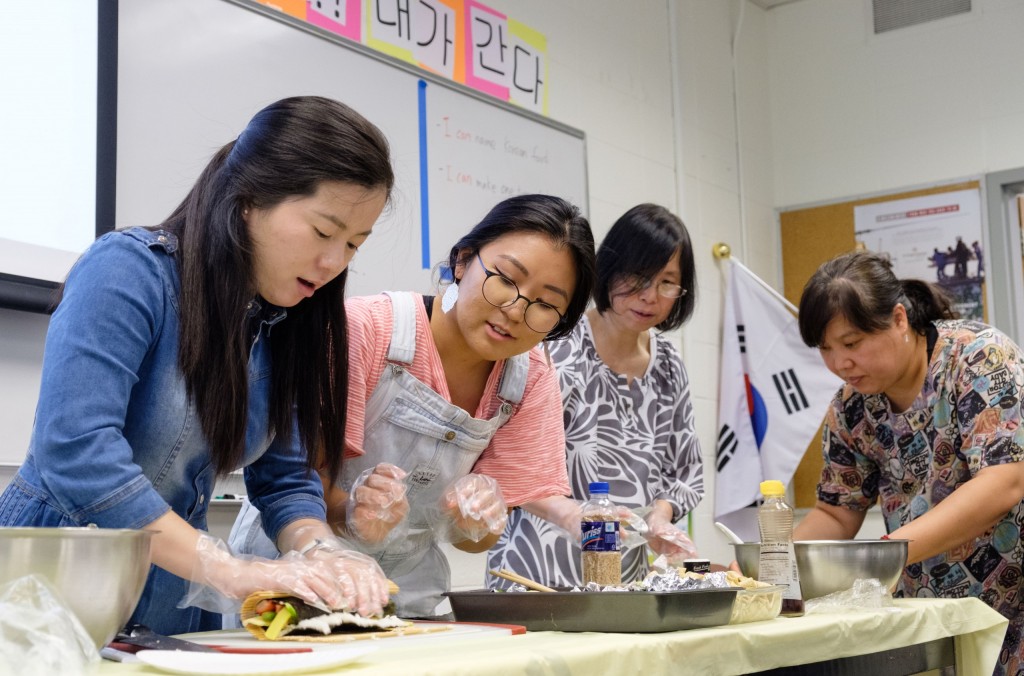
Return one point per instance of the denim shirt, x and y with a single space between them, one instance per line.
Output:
116 441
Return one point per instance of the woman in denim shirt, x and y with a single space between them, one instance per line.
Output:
214 341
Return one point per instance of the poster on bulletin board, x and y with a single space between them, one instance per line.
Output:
936 238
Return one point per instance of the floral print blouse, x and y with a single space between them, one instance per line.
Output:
966 417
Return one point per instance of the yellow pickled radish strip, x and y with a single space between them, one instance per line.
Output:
282 618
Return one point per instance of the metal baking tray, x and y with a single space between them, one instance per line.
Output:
626 612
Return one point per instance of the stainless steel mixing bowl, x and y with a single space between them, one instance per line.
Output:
827 566
98 572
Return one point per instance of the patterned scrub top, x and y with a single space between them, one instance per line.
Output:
967 417
638 437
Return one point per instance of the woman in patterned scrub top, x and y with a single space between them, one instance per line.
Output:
929 425
626 400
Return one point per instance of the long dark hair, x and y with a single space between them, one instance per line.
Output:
287 150
861 287
551 216
639 245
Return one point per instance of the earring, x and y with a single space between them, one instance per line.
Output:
451 294
906 337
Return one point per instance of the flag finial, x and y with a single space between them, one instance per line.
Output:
721 250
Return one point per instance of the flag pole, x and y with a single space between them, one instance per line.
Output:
722 251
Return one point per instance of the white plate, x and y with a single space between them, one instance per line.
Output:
182 662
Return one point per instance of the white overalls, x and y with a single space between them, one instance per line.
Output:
410 425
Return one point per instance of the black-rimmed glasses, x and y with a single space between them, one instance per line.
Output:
500 291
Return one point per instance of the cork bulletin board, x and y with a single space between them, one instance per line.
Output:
811 236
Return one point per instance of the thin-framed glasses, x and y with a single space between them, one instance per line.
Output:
665 289
500 291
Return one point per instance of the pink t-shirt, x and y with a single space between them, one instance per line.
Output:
526 455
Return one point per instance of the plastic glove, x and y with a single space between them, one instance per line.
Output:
39 633
866 594
472 508
664 538
565 515
363 583
377 507
219 580
561 513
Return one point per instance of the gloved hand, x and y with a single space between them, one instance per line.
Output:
565 515
471 509
562 513
664 538
377 507
363 583
323 576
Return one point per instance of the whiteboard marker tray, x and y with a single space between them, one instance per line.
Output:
626 612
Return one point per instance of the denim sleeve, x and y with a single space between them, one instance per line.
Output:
109 318
280 486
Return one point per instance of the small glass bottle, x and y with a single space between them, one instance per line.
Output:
777 560
601 558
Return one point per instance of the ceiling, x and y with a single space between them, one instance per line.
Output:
769 4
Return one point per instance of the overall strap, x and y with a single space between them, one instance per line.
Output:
403 328
513 378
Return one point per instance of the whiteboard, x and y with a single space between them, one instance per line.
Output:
192 72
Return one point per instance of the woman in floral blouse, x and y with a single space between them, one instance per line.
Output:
929 425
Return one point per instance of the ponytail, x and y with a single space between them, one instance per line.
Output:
925 303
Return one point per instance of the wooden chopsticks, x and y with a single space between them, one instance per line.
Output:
525 581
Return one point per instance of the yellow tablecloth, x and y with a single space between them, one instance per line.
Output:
739 649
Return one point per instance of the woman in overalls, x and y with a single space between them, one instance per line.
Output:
453 416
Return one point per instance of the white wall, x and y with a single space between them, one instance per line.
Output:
855 113
711 164
825 111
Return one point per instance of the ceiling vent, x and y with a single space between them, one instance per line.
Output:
893 14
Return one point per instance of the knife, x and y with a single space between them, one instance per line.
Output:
144 637
117 651
140 636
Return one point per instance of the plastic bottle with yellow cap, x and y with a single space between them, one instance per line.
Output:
777 560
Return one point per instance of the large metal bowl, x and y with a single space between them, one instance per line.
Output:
98 572
827 566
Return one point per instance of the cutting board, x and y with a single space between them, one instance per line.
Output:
432 631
